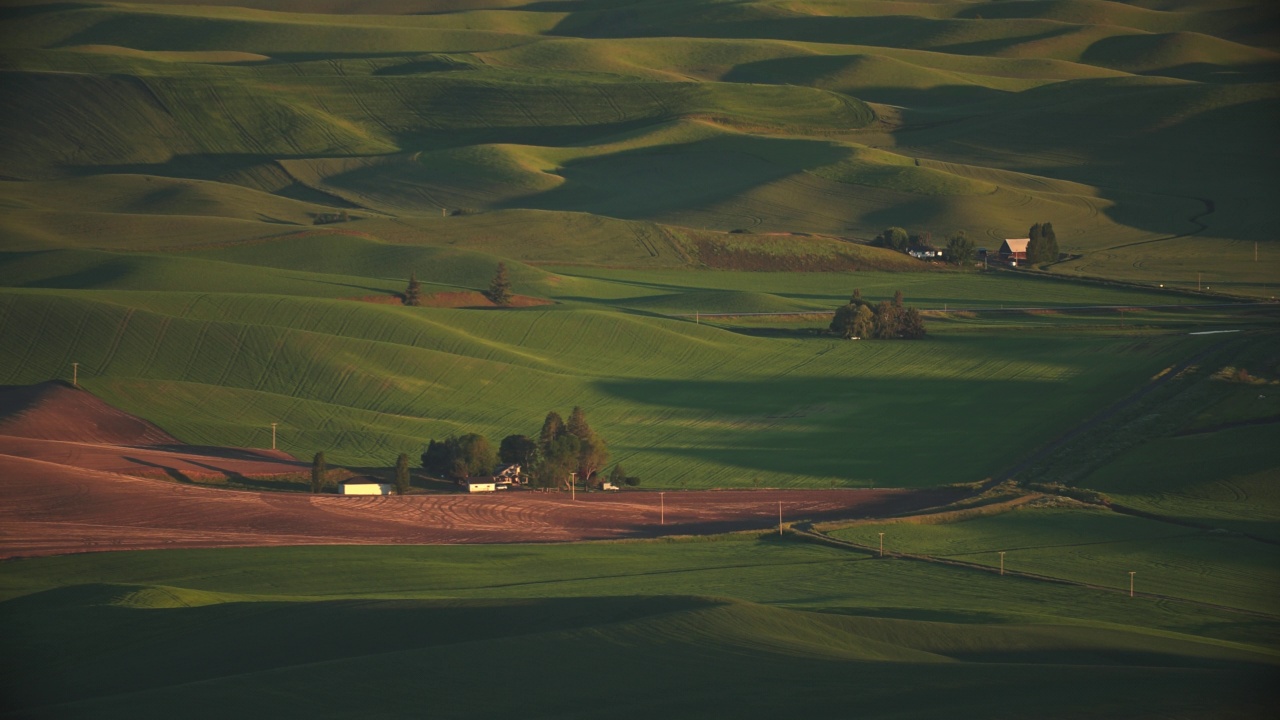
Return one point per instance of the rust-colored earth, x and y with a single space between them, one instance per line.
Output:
65 455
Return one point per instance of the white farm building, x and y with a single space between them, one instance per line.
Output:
364 486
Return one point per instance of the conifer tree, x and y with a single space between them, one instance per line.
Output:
317 473
499 292
402 474
1051 251
413 293
552 428
1035 244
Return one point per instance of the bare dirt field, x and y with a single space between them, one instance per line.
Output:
74 495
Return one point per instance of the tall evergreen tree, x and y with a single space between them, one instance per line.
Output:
1051 250
552 428
413 293
897 299
317 473
499 292
1035 244
402 474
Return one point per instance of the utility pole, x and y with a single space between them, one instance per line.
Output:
1002 562
1131 583
1197 282
573 486
779 518
662 508
273 435
881 544
75 374
697 317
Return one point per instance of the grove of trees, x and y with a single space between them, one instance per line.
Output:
887 321
561 449
458 458
1043 244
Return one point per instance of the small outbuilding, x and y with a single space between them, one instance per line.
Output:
1014 249
481 484
364 486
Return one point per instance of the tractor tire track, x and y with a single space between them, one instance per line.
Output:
1071 435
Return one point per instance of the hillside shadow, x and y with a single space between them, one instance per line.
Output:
173 473
813 426
641 183
812 70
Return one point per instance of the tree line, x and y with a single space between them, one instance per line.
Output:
561 450
1042 246
884 321
959 249
498 292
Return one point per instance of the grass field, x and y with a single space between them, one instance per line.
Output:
1100 548
626 131
736 625
202 204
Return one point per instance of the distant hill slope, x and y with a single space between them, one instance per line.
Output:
57 411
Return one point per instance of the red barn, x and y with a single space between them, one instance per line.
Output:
1014 249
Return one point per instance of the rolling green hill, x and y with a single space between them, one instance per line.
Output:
695 115
740 625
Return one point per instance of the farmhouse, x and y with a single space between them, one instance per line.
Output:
481 484
363 486
1014 250
507 475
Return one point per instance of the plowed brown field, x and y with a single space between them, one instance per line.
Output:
72 495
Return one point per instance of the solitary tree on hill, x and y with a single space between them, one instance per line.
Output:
499 292
317 473
402 474
413 293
